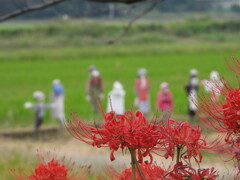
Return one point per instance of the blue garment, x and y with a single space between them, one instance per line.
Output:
58 89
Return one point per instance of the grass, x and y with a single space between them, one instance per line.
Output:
33 55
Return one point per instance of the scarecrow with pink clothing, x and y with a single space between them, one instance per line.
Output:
164 100
142 91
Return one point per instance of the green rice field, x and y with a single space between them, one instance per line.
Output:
33 54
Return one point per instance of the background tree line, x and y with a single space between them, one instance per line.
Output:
83 8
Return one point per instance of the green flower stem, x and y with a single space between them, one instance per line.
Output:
135 162
178 154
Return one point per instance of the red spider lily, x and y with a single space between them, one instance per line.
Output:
234 150
207 174
185 139
127 131
151 172
154 172
51 170
225 115
181 172
236 65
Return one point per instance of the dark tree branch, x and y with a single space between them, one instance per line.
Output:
29 9
126 29
146 11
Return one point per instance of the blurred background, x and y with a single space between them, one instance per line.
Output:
63 40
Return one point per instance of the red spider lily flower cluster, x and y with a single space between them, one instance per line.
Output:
181 172
151 172
154 172
186 139
128 131
225 115
234 150
133 132
231 110
51 170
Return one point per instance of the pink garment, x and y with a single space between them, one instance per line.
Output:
142 87
164 101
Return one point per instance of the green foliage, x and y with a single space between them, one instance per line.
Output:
74 29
